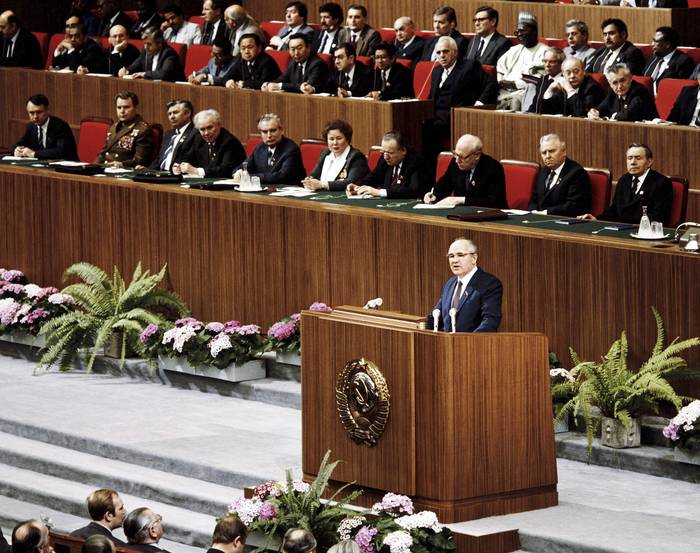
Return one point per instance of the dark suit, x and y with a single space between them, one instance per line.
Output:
263 69
181 149
680 66
60 142
89 55
629 54
638 105
497 46
411 182
227 153
486 186
318 40
656 193
355 168
366 43
537 102
479 309
115 61
361 81
569 195
121 19
466 83
462 45
315 73
684 107
589 95
139 26
168 68
208 36
144 547
399 83
93 529
129 143
25 53
413 52
4 546
287 166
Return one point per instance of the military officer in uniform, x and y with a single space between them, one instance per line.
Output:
129 141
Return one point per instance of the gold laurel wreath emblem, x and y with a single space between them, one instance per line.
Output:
363 401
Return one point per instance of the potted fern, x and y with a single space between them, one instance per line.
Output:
106 307
621 394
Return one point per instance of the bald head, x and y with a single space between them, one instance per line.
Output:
469 141
235 15
468 151
405 29
31 536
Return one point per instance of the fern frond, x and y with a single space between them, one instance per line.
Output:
87 272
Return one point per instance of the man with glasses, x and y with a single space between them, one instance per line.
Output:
488 44
472 178
218 70
143 529
472 297
408 44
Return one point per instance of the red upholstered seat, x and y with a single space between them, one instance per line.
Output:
555 42
426 34
310 152
181 49
54 41
281 57
365 59
407 63
646 81
327 58
133 14
43 39
679 204
601 80
694 53
102 40
443 161
421 78
601 186
387 34
197 19
375 153
250 144
520 182
490 70
93 131
271 28
157 130
669 89
646 50
197 57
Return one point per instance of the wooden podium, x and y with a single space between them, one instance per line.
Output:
469 430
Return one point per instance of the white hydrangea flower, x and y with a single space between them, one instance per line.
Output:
178 336
346 527
32 290
219 343
424 519
398 542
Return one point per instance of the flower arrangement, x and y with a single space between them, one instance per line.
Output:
214 344
684 428
285 334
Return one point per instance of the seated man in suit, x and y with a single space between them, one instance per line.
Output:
640 187
667 62
110 14
307 73
358 33
46 136
79 53
218 70
277 159
409 45
472 178
350 77
179 140
214 25
229 535
157 61
143 529
472 296
295 14
445 25
107 512
400 172
617 49
626 100
563 187
31 536
552 60
390 80
239 23
686 109
488 44
214 153
330 16
176 29
129 141
573 92
18 47
147 17
577 39
120 53
254 66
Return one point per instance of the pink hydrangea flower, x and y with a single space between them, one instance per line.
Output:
230 327
248 330
319 306
148 333
214 327
364 538
190 321
12 275
267 511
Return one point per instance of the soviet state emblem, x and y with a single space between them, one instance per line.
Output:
362 398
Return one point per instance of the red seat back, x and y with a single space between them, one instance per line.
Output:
646 50
54 41
250 144
197 19
520 182
490 70
102 41
555 42
669 89
443 162
310 152
646 81
157 130
328 59
694 53
93 131
271 28
180 49
421 79
425 34
375 153
197 57
679 203
43 39
133 14
387 34
600 79
366 60
281 57
601 186
407 63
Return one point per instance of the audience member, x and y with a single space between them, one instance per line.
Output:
400 172
577 38
147 17
215 152
686 108
46 136
306 72
572 93
445 25
129 141
488 44
254 66
667 62
326 38
350 77
110 14
214 26
552 60
339 164
98 544
357 32
472 178
143 529
408 44
277 159
176 29
120 52
627 100
295 15
179 140
79 53
84 10
617 49
4 546
31 536
229 535
107 512
298 540
345 546
157 61
239 23
391 80
19 47
474 294
640 187
219 68
563 186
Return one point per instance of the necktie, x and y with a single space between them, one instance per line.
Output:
443 78
41 137
481 48
650 72
395 176
697 120
346 81
323 43
353 38
458 294
635 184
206 39
603 61
548 182
270 157
168 156
210 151
385 76
9 49
300 73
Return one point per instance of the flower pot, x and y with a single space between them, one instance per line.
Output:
113 348
250 370
561 426
614 434
689 456
289 357
25 338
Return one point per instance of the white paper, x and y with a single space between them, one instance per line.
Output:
515 211
432 206
116 170
17 158
67 163
98 74
293 191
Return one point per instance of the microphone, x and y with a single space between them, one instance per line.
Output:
436 319
375 303
453 319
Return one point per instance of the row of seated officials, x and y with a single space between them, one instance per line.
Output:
199 146
528 75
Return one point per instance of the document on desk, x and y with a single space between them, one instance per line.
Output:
515 211
294 192
432 206
18 158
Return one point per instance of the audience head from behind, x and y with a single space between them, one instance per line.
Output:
444 21
106 508
576 34
614 33
229 535
31 536
485 21
356 18
143 526
526 29
180 113
298 540
446 51
208 123
250 46
127 105
271 129
299 47
405 29
295 14
330 16
345 546
98 544
619 78
9 24
664 42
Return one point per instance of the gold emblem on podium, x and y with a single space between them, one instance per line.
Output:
362 398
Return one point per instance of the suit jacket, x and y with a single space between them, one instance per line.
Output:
145 547
4 546
228 153
497 46
466 84
182 148
569 195
89 55
629 54
637 106
168 68
462 45
412 182
413 52
487 187
129 143
538 100
680 66
589 95
361 81
479 309
355 169
366 43
656 194
315 73
287 165
262 69
138 27
318 39
96 529
208 37
60 142
121 19
684 106
399 83
219 75
26 52
121 59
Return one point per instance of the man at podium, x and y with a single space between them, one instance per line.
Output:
472 297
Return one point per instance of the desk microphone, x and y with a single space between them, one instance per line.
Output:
453 318
436 319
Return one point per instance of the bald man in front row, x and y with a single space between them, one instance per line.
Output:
31 536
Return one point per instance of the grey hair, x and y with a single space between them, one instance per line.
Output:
137 524
345 546
270 117
471 245
616 68
551 137
205 114
470 141
561 56
451 42
580 25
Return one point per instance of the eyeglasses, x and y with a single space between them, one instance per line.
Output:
459 255
465 157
